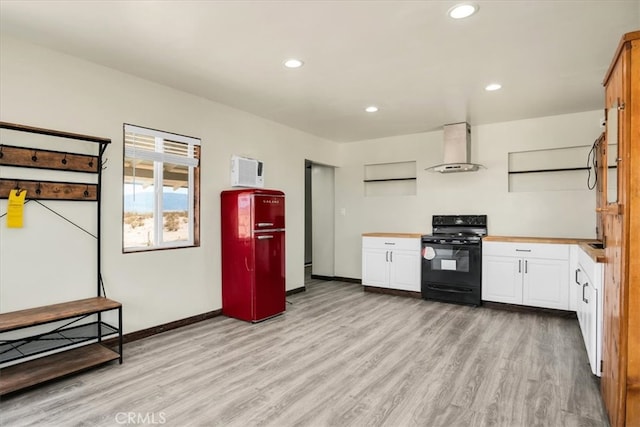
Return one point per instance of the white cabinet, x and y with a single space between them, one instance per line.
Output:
545 283
501 279
533 274
588 281
391 262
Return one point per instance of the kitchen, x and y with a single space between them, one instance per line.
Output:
36 78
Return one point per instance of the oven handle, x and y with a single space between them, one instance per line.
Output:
449 289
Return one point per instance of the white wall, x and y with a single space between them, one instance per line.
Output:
550 213
322 195
43 88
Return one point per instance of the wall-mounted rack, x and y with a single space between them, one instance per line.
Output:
47 344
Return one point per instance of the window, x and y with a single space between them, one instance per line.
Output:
161 188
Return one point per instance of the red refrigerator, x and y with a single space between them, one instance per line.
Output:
253 258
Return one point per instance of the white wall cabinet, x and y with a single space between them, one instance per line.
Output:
391 262
530 274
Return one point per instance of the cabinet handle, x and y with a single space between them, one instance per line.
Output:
519 266
265 224
391 256
389 243
586 301
265 237
386 256
523 250
525 266
577 272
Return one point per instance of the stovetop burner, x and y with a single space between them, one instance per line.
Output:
457 229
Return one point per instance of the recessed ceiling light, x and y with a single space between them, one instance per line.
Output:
293 63
463 10
371 109
493 86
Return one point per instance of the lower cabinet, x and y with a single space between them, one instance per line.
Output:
588 280
546 283
527 274
392 263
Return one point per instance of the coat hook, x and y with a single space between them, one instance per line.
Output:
17 188
35 156
90 163
104 163
64 160
1 153
38 189
86 191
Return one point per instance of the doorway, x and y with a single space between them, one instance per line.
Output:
319 221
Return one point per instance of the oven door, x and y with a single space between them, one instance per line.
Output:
452 271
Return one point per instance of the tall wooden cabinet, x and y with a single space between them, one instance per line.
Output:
620 212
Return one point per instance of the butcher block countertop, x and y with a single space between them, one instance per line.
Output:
400 235
596 254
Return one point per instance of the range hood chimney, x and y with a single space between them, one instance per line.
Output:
457 150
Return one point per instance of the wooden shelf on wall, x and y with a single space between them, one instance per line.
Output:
390 179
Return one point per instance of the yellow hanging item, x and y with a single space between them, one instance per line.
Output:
15 210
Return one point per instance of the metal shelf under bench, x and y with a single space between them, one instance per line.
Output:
36 371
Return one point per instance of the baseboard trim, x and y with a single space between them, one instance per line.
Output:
296 290
321 277
154 330
336 278
348 280
396 292
526 309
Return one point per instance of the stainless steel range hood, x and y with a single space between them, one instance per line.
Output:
457 150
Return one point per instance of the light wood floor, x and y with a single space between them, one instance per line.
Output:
338 357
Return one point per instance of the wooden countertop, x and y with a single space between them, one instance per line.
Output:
596 254
400 235
523 239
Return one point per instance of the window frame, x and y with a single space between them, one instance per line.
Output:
159 158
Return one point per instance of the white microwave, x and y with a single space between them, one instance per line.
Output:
246 172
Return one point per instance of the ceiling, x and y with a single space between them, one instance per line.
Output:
420 67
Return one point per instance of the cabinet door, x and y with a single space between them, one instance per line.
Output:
502 279
404 270
546 283
375 267
590 302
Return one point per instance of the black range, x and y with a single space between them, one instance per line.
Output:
452 259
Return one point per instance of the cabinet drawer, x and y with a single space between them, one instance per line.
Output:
526 250
391 243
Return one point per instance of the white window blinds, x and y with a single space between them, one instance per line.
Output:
149 144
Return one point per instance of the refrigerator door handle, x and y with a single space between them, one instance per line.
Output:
265 224
262 237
